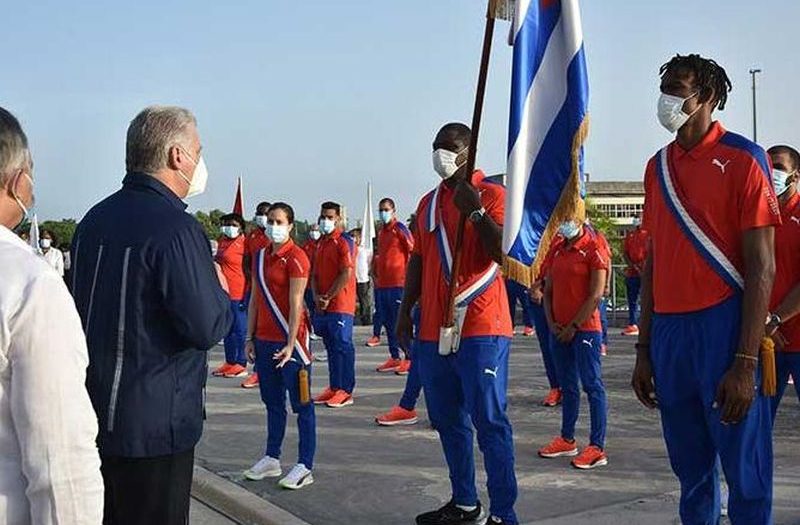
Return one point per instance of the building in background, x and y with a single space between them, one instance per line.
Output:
620 201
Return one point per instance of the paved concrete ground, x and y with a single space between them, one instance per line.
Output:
200 514
371 475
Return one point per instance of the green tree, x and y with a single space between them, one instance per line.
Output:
210 222
63 230
602 222
301 229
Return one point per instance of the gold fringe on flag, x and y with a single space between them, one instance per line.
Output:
769 380
570 206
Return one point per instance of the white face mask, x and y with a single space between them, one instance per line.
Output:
670 111
444 163
27 212
230 232
45 244
277 233
780 180
327 226
261 221
315 235
199 179
569 230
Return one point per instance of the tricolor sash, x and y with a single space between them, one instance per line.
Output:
305 356
449 338
701 240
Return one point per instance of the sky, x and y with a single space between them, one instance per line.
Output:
308 101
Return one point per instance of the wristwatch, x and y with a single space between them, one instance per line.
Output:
477 215
774 319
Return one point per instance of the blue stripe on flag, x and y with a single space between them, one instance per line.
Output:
553 166
530 46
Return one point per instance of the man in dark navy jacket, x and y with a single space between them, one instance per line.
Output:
152 304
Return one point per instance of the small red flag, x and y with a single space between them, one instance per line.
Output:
238 203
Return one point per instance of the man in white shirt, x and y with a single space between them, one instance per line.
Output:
363 284
49 464
51 254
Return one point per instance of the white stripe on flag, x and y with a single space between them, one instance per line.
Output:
545 100
520 14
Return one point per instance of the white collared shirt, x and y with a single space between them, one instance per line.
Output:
363 260
55 258
49 464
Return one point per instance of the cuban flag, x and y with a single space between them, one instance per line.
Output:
547 128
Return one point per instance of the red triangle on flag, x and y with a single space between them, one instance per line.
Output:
238 203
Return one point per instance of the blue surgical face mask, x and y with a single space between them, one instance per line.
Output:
231 232
780 180
261 221
277 233
386 216
327 226
569 230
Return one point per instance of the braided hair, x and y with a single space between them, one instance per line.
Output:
710 77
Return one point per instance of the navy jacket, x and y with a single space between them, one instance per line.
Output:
151 305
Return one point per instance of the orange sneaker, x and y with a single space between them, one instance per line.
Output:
373 341
325 396
553 398
528 331
221 369
251 381
236 371
559 447
390 365
630 330
340 399
397 416
403 368
591 457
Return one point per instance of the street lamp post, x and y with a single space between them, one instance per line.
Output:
753 73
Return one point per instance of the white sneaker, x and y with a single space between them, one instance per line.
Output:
297 478
320 357
314 337
266 467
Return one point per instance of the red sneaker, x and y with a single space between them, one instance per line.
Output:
630 330
220 370
373 341
397 416
553 398
251 381
236 371
528 331
340 399
591 457
559 447
390 365
603 349
403 369
325 396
